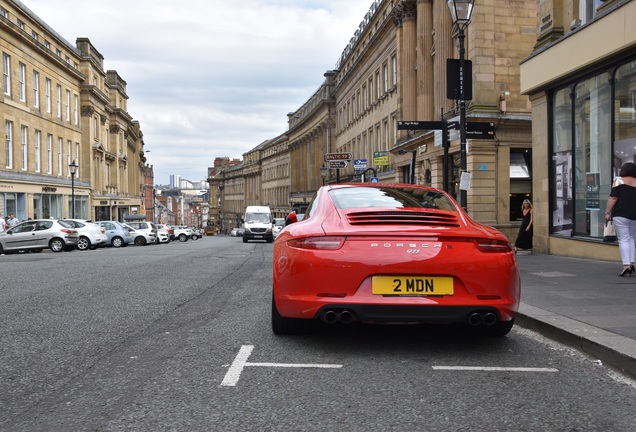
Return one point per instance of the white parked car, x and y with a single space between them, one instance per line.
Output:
143 232
164 233
184 233
141 237
91 234
279 224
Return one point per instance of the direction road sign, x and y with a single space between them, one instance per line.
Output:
359 165
480 130
420 125
337 164
338 157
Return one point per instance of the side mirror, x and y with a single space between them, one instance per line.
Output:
291 218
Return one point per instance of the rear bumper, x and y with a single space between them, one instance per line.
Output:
383 314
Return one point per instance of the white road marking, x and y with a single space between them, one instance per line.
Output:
240 362
494 368
234 372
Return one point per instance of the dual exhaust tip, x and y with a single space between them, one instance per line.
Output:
333 316
482 318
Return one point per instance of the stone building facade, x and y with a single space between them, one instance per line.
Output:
395 69
59 105
581 82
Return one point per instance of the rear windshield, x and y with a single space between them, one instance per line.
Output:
360 197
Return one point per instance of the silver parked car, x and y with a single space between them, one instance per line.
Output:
38 234
118 235
91 235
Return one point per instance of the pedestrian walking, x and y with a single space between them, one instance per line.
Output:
13 221
621 209
524 238
2 224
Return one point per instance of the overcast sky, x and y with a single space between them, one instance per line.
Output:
210 78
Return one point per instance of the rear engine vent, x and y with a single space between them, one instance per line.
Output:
400 218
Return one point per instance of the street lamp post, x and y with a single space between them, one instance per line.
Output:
323 173
460 11
73 169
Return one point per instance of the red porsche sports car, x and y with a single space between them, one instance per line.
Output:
392 253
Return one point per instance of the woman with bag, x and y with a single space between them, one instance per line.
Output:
621 209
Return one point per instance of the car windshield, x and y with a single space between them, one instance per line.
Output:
257 218
360 197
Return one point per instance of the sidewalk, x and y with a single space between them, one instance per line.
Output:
581 303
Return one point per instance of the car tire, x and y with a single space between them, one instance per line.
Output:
282 325
140 241
183 238
83 243
57 245
117 242
244 240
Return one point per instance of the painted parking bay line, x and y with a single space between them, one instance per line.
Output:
240 362
494 368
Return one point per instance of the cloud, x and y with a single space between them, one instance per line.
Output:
210 78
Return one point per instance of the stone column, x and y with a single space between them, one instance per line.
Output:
409 61
425 65
443 46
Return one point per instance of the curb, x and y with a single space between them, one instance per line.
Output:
615 351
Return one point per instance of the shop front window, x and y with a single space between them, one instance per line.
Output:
592 167
588 150
562 206
624 117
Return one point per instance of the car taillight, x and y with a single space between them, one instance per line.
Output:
66 231
317 243
488 245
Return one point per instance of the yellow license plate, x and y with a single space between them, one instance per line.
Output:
412 285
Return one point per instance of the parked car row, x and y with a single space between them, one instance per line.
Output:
68 234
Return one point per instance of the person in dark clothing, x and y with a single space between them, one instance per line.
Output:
524 238
621 209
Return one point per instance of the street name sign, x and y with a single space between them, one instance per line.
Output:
420 125
338 157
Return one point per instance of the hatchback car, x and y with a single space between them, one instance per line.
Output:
38 234
118 234
141 237
143 232
91 235
402 253
165 234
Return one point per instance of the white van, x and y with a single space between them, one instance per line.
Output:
258 224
